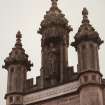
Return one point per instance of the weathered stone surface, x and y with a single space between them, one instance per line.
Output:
91 95
57 84
66 100
51 93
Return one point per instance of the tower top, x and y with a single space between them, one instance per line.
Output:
17 55
86 32
54 17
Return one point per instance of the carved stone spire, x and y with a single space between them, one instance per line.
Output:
54 17
18 55
86 31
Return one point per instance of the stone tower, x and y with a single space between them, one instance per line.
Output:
55 41
57 83
17 65
87 42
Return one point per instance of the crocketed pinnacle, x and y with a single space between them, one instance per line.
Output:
85 28
18 55
86 31
54 17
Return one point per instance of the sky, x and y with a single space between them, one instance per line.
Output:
26 15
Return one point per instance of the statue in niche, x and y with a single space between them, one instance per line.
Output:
52 65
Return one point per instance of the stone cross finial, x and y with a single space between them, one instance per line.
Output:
18 39
85 16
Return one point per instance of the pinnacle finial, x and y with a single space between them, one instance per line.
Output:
85 12
85 16
18 39
54 3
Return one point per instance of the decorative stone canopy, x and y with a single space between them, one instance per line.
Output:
54 17
86 31
17 55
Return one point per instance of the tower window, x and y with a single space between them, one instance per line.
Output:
18 98
83 47
93 77
91 45
85 78
12 69
11 99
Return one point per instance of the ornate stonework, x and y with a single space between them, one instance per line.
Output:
86 31
17 55
57 84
